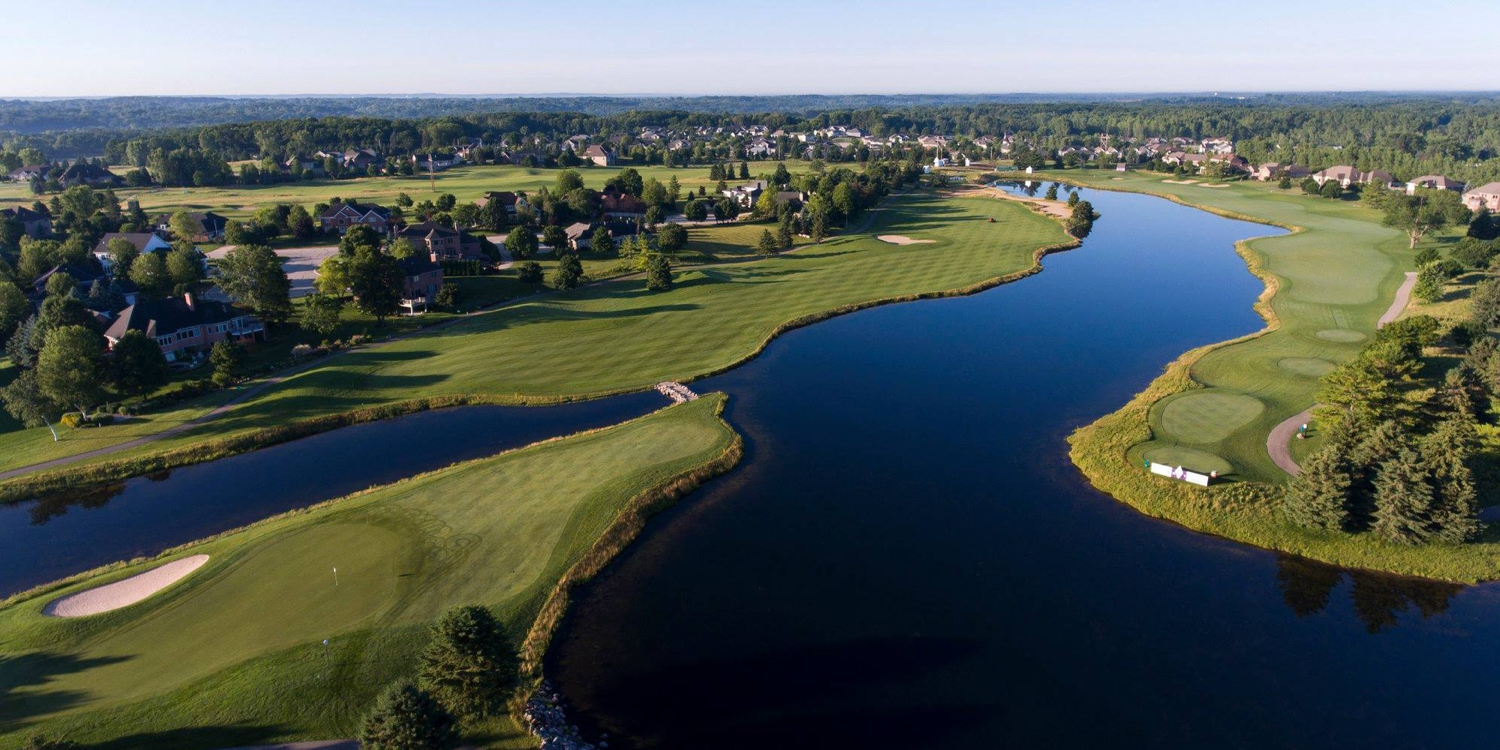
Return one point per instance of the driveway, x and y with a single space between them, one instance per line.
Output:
301 264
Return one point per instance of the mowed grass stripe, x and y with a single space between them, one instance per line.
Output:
235 649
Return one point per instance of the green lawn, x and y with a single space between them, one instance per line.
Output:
1214 407
232 655
616 336
467 183
1335 278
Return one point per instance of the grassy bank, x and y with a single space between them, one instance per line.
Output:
233 655
1327 284
615 336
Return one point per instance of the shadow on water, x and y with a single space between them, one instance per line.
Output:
1378 599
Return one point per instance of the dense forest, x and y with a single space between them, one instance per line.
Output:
1454 135
31 117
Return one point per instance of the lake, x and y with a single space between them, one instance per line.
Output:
907 559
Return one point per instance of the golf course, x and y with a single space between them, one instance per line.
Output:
616 336
1328 281
235 653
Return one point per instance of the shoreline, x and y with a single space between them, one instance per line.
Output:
33 486
1242 512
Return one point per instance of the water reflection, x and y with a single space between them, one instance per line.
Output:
45 509
1379 599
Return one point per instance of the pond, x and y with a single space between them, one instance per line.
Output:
906 558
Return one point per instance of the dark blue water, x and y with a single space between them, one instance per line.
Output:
907 559
50 539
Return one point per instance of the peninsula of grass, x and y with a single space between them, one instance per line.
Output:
1327 284
233 655
616 336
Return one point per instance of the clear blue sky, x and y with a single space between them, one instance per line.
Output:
106 47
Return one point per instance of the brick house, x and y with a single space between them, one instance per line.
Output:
181 326
442 242
424 277
339 217
622 206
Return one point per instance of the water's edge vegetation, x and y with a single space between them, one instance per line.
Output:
1246 512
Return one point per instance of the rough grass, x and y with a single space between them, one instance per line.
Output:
1337 240
232 655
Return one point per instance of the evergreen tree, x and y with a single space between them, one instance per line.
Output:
1446 450
658 273
227 358
407 718
784 234
1404 499
1365 457
469 666
767 243
569 272
1318 498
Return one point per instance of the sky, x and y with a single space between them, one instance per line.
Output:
63 48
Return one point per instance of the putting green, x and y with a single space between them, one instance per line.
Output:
1310 367
1192 459
1208 417
1340 335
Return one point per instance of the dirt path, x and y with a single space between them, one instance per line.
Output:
1398 305
1279 444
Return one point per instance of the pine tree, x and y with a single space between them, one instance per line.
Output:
468 667
767 243
658 273
406 718
1404 499
1446 451
1319 497
1365 457
784 234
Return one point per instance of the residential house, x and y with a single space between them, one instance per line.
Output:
1347 176
182 326
1231 162
304 164
1275 170
580 236
144 242
87 173
622 206
511 201
424 277
30 172
360 159
435 162
601 156
746 194
1433 182
759 148
82 275
339 217
442 242
211 226
792 198
1485 196
36 224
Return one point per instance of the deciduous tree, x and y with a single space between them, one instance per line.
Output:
137 366
253 276
70 367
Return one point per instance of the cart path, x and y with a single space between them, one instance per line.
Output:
1279 443
1398 305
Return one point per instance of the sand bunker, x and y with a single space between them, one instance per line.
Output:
1182 182
123 593
1215 184
897 239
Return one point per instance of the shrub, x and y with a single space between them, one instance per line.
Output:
72 421
529 272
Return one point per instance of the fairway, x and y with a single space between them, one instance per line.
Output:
1334 279
616 336
218 650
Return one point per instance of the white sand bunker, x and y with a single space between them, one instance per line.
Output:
123 593
1215 184
898 239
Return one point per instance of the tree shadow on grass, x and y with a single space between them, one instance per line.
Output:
23 680
195 738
